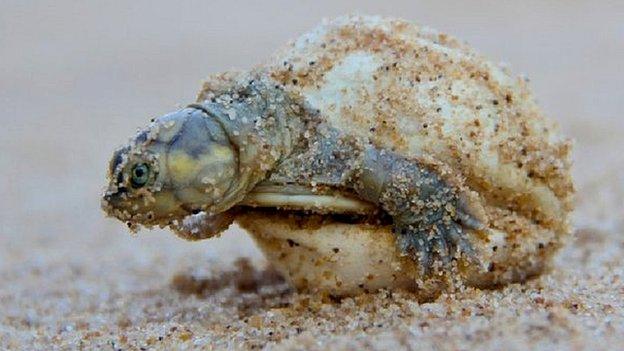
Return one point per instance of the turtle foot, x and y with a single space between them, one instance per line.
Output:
202 225
436 245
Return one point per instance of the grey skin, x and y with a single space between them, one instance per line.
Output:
196 168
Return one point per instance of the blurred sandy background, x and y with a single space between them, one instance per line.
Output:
77 78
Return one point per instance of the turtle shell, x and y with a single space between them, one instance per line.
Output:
426 95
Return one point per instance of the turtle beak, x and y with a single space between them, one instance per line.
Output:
114 200
116 203
160 209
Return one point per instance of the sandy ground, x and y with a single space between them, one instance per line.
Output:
76 79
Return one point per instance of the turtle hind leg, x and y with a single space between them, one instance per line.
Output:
432 222
429 217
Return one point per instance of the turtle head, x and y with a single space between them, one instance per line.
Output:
181 164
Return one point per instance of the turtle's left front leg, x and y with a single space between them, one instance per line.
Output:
202 225
430 218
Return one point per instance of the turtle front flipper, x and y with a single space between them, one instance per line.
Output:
202 225
430 217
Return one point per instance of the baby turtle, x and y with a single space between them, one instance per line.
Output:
371 119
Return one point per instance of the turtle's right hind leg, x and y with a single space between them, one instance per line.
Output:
429 218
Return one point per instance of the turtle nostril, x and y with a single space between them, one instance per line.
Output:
120 178
113 197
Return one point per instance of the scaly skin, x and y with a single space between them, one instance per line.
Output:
204 158
213 154
429 216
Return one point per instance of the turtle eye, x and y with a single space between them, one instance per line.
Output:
140 174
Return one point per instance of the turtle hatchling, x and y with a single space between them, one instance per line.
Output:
369 153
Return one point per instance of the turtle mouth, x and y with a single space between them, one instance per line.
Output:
116 203
142 207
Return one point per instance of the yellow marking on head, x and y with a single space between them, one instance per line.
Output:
165 203
185 169
222 153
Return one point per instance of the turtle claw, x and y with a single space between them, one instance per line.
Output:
443 242
457 239
202 225
416 246
441 247
466 218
